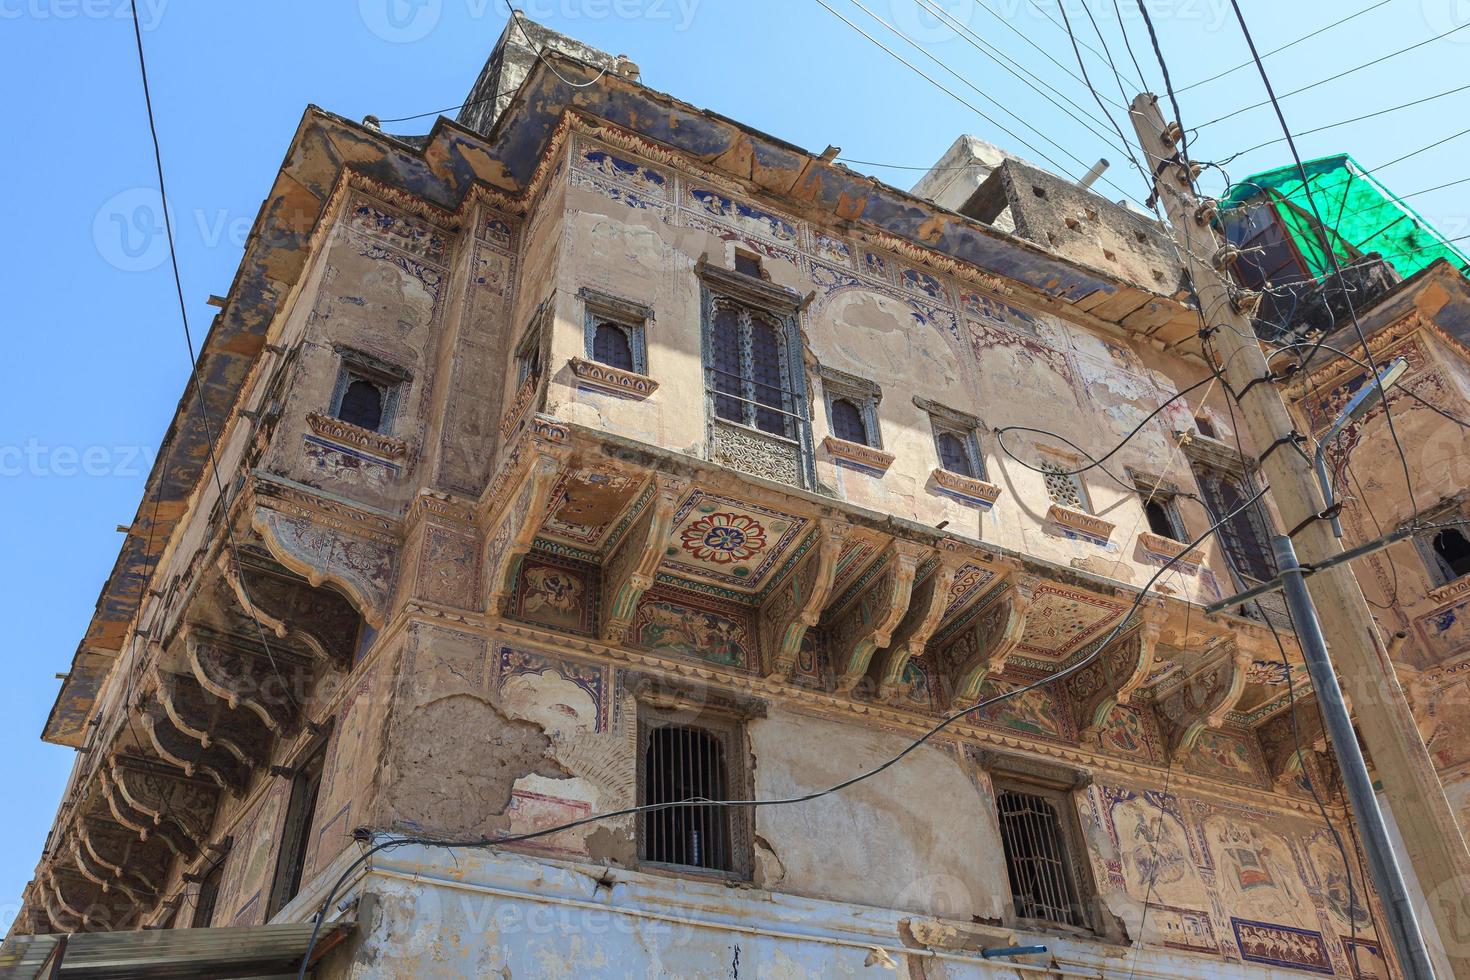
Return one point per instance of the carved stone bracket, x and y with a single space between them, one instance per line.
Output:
292 608
183 750
926 610
361 567
867 625
117 851
513 524
986 647
158 801
796 605
269 680
210 720
1116 674
1286 743
80 903
1201 697
630 570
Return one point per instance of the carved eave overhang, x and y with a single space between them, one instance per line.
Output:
451 169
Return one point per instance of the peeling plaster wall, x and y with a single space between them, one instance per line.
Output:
636 227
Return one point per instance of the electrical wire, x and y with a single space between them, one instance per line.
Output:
1345 122
956 96
995 54
1304 37
540 56
1331 255
949 719
1331 78
1041 10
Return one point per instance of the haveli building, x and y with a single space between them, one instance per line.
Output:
596 451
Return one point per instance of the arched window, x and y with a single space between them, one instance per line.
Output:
1453 551
847 422
1159 520
953 455
749 369
362 404
610 346
1244 536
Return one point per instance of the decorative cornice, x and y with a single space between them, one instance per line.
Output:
865 457
1087 525
1212 452
746 287
1157 544
518 405
1451 590
976 491
365 440
612 379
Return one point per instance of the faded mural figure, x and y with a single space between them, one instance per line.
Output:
553 595
1154 849
1257 876
706 635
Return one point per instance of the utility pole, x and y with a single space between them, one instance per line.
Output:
1432 838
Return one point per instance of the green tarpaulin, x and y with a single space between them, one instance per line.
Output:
1359 213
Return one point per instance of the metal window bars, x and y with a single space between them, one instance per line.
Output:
682 762
1037 859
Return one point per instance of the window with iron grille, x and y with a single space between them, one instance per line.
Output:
1444 550
615 330
306 786
847 421
367 391
680 759
748 368
1244 536
207 898
1042 857
1064 487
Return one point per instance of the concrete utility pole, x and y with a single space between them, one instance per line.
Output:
1432 838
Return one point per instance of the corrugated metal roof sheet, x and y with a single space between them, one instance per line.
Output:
187 954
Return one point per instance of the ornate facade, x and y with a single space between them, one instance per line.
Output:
470 570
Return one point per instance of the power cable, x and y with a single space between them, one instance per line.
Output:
1331 255
984 47
1041 10
914 745
1304 37
1331 78
970 105
1345 122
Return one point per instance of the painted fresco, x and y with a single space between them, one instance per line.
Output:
1225 756
729 542
1129 732
564 697
1446 631
1035 713
558 593
1060 620
717 633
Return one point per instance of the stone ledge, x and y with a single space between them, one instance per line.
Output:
971 489
356 437
1157 544
616 380
1087 525
1451 590
864 457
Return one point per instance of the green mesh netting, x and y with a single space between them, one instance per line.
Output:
1360 213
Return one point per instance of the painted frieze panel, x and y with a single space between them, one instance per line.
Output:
729 542
684 624
557 592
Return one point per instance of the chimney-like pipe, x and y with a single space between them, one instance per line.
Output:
1093 174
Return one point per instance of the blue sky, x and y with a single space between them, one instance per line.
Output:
96 353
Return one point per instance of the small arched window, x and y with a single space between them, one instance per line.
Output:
362 404
1453 550
1159 520
847 422
748 369
953 455
610 346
